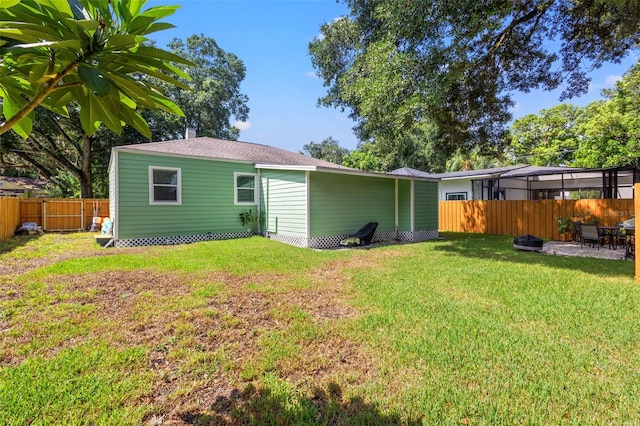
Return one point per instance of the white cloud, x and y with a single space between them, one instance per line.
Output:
242 125
516 107
311 74
612 79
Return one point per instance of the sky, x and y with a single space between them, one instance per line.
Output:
271 37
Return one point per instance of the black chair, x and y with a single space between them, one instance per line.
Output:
592 235
366 233
619 237
577 231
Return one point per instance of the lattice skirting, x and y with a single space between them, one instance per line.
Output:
290 239
179 239
418 235
332 241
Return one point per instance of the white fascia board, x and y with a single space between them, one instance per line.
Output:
285 167
350 172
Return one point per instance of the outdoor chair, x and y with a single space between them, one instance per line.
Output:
577 231
619 236
366 233
591 235
361 238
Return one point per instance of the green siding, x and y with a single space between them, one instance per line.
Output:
426 206
207 197
341 204
404 205
285 198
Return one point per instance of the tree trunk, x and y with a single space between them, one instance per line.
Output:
86 176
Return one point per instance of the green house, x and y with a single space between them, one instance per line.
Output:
196 189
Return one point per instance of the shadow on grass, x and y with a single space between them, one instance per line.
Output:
15 242
254 406
500 247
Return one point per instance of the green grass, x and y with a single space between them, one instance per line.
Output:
463 330
88 384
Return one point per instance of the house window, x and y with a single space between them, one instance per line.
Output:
165 185
246 190
451 196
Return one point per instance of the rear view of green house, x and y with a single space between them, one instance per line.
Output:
195 190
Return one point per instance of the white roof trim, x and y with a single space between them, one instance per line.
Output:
285 167
340 171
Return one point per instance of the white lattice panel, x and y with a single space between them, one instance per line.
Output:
180 239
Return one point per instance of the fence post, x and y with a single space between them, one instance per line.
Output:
636 205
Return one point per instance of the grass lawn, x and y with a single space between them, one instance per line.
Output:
463 330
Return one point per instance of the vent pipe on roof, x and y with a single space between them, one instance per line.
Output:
190 133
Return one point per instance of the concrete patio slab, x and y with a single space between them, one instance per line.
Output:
574 249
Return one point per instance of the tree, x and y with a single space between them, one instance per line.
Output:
473 160
362 159
454 63
214 96
605 133
549 138
610 132
58 144
329 150
91 52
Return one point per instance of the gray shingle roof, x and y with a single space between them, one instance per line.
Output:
408 171
218 149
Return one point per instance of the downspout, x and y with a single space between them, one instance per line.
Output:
308 218
396 205
259 201
266 208
562 183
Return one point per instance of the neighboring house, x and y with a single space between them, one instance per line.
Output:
536 183
21 187
195 189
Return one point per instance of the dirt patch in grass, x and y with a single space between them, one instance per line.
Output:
203 330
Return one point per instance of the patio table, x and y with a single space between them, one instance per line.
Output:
609 232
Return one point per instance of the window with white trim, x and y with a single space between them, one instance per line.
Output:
246 188
165 185
451 196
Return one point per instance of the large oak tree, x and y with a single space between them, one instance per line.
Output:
455 64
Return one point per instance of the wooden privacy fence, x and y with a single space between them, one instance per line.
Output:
9 217
53 214
539 218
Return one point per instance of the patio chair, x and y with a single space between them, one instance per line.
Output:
366 233
619 236
577 231
361 238
591 235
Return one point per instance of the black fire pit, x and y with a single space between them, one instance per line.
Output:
527 243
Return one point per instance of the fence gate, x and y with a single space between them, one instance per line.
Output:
63 215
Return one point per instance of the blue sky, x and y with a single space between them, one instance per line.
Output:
271 37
